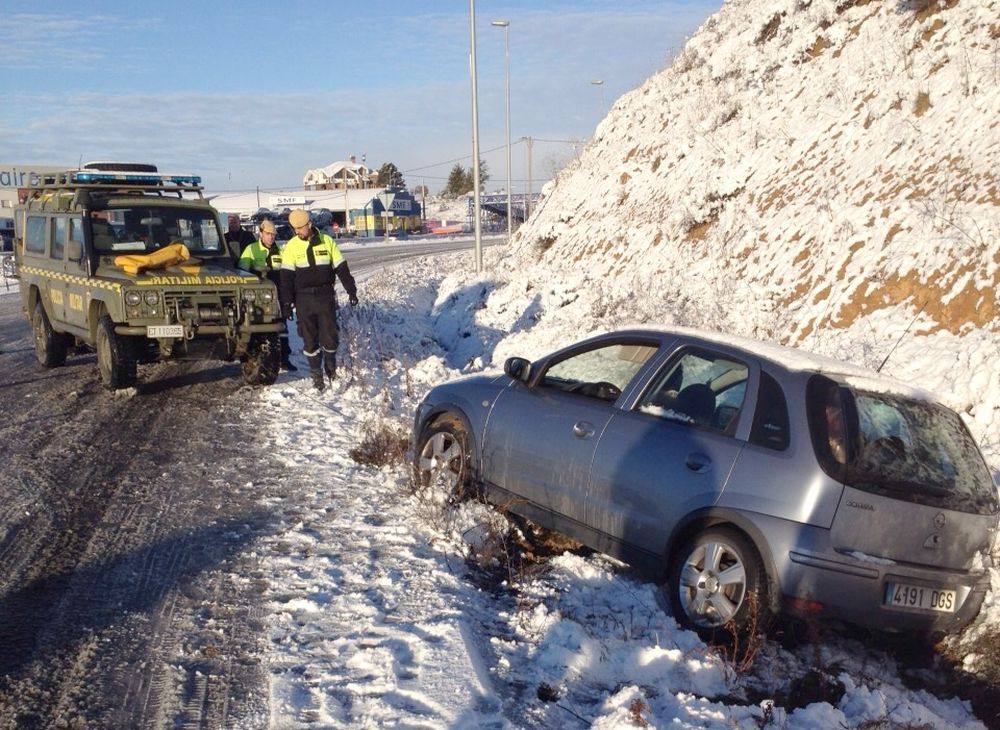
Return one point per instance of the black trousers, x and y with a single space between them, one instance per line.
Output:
316 318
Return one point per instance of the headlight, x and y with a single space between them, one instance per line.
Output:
133 298
267 295
151 298
248 295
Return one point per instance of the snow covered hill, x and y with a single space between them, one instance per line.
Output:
814 172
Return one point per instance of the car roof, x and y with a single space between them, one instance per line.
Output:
792 359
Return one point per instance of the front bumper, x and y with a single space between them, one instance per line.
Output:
208 329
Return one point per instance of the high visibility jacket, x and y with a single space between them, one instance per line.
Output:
310 267
260 259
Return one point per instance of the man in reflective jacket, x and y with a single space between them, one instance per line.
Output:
263 258
309 262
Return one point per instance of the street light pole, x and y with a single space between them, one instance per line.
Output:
505 24
600 82
475 138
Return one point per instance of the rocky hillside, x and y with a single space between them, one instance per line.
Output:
821 173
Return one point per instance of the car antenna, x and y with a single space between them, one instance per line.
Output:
905 332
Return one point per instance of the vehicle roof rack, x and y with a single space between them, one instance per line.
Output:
110 181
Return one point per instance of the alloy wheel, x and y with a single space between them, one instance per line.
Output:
442 460
712 584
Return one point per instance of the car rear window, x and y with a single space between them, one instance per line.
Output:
906 449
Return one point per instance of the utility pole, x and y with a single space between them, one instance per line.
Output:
505 24
475 138
343 231
528 141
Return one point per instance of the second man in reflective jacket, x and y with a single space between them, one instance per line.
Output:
310 261
264 259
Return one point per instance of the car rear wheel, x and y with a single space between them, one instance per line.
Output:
50 346
443 458
115 361
262 361
717 580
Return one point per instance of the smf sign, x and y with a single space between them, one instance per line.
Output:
401 205
278 201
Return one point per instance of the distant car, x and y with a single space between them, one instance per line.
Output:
747 478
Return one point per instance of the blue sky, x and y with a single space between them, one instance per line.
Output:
255 93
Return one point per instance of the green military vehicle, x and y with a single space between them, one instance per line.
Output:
134 264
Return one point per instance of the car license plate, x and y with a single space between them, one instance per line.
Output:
165 330
902 595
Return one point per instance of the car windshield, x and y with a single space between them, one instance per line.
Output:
143 229
908 449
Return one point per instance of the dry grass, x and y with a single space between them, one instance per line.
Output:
382 444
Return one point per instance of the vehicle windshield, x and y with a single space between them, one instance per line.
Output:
144 229
907 449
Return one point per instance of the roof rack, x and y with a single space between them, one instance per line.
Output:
110 181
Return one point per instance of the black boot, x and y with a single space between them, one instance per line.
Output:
287 365
330 365
286 354
317 378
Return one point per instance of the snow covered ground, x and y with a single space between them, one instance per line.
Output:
386 610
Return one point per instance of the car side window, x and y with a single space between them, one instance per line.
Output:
600 373
34 235
698 388
770 419
58 238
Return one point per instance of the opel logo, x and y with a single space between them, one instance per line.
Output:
939 520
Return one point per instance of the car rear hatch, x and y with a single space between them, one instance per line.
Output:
917 490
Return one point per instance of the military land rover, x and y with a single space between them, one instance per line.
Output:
134 264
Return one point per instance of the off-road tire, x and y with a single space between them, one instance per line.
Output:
262 361
443 451
750 597
50 346
116 361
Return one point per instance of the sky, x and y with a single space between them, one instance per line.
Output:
255 93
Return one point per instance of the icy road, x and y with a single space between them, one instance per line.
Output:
123 521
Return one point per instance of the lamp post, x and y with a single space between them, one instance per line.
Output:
599 82
475 138
505 24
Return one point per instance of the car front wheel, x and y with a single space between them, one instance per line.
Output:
260 364
717 580
115 360
443 458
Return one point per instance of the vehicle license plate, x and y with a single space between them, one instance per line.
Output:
909 596
165 330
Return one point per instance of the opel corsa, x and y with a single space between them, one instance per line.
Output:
748 478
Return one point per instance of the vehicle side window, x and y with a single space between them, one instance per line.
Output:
34 235
770 418
698 388
600 373
58 238
76 230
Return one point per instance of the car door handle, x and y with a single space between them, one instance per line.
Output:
583 429
698 463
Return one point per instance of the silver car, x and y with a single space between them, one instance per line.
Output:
745 478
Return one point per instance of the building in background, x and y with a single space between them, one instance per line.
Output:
18 177
340 175
394 210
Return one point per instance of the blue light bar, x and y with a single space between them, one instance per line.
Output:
134 178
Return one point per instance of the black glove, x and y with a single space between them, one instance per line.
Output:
287 312
353 299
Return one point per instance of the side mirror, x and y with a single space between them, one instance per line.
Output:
74 251
517 368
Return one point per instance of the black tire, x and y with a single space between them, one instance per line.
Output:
443 454
116 362
262 361
50 346
701 602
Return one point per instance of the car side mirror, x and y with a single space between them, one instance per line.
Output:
74 251
517 368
